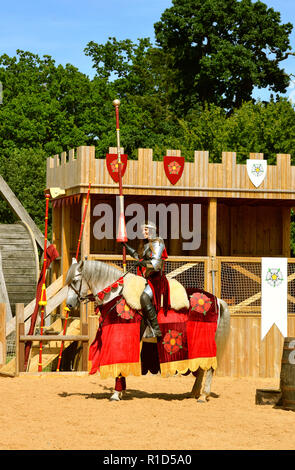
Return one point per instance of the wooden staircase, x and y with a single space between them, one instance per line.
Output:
56 294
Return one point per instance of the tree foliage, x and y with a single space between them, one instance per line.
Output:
221 49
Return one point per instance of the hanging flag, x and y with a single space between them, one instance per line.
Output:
112 165
256 171
274 291
173 168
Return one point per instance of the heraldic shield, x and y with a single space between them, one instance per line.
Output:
256 171
113 167
173 168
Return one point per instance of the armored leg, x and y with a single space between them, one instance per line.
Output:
150 313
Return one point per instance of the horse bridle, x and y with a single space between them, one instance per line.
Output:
92 297
87 298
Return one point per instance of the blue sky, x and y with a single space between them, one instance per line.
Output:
62 28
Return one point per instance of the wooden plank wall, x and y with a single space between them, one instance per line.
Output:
199 179
244 230
20 262
246 355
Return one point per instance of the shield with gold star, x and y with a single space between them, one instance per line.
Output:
113 167
173 168
256 171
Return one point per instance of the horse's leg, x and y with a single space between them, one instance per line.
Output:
120 388
207 386
196 390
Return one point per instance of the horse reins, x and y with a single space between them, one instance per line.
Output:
92 297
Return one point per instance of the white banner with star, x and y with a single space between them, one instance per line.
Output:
274 290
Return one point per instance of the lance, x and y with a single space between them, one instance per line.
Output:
43 298
77 254
122 234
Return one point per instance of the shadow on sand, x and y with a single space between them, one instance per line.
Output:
132 394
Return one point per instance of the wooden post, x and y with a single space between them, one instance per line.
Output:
65 244
286 231
65 239
20 346
2 334
85 246
93 322
3 292
85 348
20 211
56 240
211 240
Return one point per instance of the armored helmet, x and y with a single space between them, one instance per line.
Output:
152 229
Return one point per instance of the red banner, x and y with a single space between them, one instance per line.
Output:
173 168
113 167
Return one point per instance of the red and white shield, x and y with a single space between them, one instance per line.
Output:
113 166
173 168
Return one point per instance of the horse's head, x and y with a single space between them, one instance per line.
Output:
78 287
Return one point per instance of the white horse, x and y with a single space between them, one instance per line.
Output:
94 276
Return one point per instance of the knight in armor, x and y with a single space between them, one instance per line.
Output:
151 264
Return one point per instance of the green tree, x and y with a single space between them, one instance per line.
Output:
24 170
43 104
221 49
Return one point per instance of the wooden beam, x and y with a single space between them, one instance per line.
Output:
48 338
20 211
286 231
65 241
20 348
2 334
212 227
56 294
85 244
212 243
3 292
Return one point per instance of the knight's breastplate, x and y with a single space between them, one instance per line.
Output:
153 254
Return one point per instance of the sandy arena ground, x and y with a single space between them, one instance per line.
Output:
73 413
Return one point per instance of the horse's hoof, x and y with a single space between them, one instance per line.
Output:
203 399
116 397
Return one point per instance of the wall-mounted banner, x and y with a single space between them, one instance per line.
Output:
112 165
274 291
173 167
256 171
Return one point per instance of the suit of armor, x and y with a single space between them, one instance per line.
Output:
152 261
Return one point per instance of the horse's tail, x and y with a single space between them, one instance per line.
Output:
223 329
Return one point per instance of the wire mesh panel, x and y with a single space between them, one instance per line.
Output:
191 274
188 273
241 285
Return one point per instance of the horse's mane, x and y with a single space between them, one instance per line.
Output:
98 271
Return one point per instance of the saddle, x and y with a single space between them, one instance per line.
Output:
134 286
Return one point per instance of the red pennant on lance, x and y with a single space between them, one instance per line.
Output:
112 165
173 168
